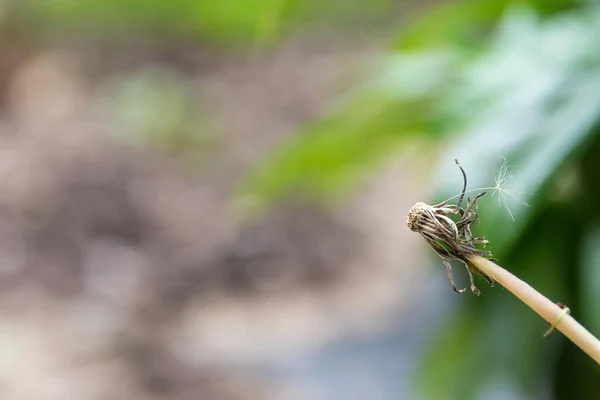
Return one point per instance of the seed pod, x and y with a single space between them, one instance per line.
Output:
451 240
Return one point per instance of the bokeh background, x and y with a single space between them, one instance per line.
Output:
207 199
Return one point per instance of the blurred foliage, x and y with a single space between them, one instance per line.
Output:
224 21
527 88
533 94
463 23
158 111
413 94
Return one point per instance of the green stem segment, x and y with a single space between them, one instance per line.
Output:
541 305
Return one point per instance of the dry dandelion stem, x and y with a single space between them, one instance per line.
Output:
453 241
554 314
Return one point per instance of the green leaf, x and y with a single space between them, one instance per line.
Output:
458 21
590 279
539 100
325 159
457 343
465 23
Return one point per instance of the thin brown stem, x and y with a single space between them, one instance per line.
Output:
548 310
462 194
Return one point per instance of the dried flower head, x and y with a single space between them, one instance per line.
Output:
452 241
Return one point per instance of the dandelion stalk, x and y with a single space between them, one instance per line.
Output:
548 310
453 241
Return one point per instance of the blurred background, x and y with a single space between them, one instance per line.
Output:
208 199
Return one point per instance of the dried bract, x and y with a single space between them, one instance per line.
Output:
452 241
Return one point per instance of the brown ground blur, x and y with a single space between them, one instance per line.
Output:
124 269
